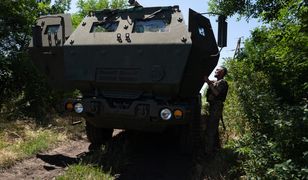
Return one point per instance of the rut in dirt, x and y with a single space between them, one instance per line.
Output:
49 164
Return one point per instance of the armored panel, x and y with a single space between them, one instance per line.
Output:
51 30
139 49
148 68
46 47
49 61
203 57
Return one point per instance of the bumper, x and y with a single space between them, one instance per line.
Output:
135 114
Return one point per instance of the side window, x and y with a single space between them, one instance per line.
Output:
152 25
52 29
105 26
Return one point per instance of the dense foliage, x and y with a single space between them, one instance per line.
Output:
267 104
267 10
21 87
272 141
85 6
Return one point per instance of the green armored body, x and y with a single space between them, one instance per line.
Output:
138 68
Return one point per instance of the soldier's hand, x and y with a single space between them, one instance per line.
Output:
206 79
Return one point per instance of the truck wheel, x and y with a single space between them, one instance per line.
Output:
191 134
97 136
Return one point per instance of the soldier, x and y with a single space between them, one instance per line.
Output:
216 96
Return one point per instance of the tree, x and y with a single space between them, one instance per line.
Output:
59 6
269 85
15 20
267 10
85 6
19 82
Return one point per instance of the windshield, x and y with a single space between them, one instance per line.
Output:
152 25
52 29
105 26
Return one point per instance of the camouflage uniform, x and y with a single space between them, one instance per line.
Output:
215 110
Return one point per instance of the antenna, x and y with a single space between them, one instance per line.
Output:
238 47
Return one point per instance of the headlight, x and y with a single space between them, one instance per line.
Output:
78 108
165 114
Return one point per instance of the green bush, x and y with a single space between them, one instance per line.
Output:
267 103
273 140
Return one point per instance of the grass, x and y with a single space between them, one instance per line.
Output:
81 171
37 141
3 144
22 139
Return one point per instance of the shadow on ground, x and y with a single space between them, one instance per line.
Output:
57 160
154 156
149 156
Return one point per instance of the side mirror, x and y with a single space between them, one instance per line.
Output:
222 31
37 36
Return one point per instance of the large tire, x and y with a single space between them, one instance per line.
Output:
97 136
191 134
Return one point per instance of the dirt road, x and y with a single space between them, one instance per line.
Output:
129 156
47 165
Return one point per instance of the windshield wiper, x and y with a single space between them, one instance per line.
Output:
153 14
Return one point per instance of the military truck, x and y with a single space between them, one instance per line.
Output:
139 68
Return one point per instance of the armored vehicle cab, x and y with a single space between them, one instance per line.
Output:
137 68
